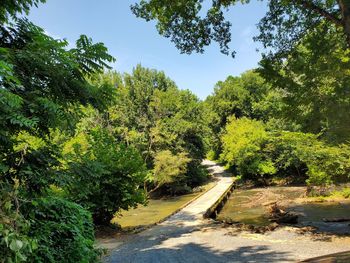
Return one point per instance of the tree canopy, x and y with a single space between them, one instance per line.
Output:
10 8
191 26
79 142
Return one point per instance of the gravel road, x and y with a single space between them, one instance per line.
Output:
187 237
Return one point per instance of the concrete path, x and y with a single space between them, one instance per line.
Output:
187 237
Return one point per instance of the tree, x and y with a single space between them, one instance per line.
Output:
242 142
314 82
256 154
151 114
10 8
169 168
248 95
104 175
41 83
132 114
282 27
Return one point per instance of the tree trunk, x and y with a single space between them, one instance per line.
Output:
344 6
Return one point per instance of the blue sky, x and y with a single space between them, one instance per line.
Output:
131 40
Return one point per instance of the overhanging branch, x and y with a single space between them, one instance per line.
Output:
324 13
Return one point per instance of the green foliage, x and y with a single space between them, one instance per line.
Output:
248 95
42 85
170 169
16 244
105 176
181 21
153 115
328 164
192 25
63 230
314 78
242 147
10 8
287 22
344 192
257 153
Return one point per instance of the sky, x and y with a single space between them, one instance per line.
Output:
134 41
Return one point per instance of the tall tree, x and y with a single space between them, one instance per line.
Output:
314 79
153 115
248 95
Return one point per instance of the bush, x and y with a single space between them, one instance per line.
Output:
327 164
257 153
15 244
63 230
196 173
322 163
105 175
243 143
345 192
170 171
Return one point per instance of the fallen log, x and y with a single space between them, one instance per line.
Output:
279 215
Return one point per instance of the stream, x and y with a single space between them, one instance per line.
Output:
250 207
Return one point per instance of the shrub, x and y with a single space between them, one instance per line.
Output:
15 244
322 163
345 192
63 230
243 143
327 164
196 173
105 175
257 153
170 170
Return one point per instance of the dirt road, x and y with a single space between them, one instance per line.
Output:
187 237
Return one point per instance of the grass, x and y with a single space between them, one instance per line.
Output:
156 210
333 196
345 193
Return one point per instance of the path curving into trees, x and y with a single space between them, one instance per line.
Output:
187 237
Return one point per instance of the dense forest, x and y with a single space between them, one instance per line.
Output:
80 141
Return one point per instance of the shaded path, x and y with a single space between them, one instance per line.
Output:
187 237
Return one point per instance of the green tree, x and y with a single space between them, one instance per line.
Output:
131 114
169 169
105 175
247 95
192 26
258 154
153 115
47 79
10 8
243 142
41 83
314 80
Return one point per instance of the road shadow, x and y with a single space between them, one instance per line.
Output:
152 246
197 253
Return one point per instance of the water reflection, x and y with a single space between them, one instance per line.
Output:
250 207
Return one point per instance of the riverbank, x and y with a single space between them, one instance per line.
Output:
251 207
158 209
187 237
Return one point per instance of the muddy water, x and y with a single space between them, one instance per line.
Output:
312 214
250 207
153 212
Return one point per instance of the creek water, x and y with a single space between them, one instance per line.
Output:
250 207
